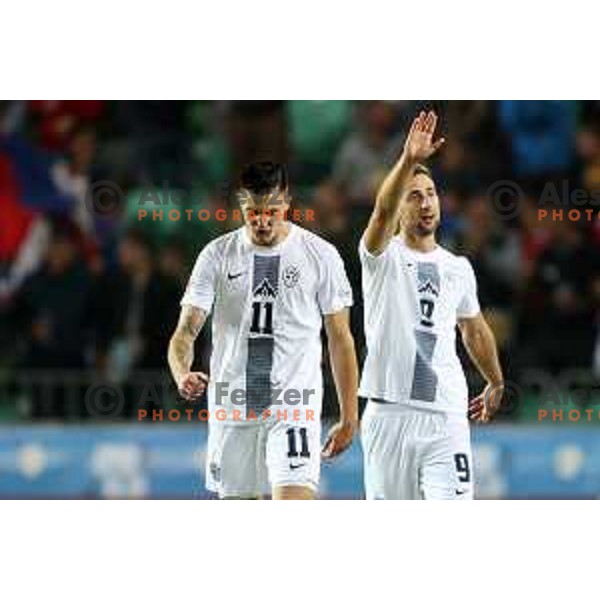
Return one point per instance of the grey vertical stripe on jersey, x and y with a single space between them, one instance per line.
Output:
258 373
266 267
425 380
428 273
260 349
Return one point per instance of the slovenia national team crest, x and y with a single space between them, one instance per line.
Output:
291 276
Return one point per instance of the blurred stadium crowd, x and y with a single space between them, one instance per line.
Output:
99 295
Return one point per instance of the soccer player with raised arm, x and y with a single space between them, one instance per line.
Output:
270 286
415 432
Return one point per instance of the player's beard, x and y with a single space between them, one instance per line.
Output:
423 230
270 236
264 238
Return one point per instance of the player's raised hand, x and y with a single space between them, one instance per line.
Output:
192 385
483 407
339 438
419 144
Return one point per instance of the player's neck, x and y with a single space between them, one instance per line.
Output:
420 243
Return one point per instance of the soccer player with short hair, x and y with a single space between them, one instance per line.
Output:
415 432
270 285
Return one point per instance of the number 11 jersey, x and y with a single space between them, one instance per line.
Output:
267 307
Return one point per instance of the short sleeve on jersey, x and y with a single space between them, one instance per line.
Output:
334 292
372 260
469 304
201 287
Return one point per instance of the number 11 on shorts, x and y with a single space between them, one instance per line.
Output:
292 434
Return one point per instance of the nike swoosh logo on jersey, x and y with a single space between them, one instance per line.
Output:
460 492
297 466
231 276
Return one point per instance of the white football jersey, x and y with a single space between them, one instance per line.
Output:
412 303
267 305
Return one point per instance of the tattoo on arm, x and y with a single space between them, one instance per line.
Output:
181 346
191 325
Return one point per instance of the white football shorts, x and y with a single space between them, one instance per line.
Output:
246 460
412 453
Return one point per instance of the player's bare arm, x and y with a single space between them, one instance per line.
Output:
191 384
345 373
418 147
480 343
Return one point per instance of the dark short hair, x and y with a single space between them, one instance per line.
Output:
420 169
263 177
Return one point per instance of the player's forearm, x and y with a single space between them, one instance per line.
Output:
388 196
181 346
481 346
345 375
180 356
384 219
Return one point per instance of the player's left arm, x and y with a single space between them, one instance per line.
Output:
480 343
342 356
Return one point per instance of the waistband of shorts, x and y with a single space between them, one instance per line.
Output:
379 406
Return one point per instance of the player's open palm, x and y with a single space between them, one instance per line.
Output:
419 145
483 407
192 385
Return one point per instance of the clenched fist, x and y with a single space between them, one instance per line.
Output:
192 385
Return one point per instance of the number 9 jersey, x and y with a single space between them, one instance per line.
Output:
415 433
413 301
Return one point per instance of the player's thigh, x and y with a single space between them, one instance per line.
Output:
462 456
445 463
293 457
293 492
390 467
236 460
437 477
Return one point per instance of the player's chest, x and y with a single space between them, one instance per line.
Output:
287 280
435 292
